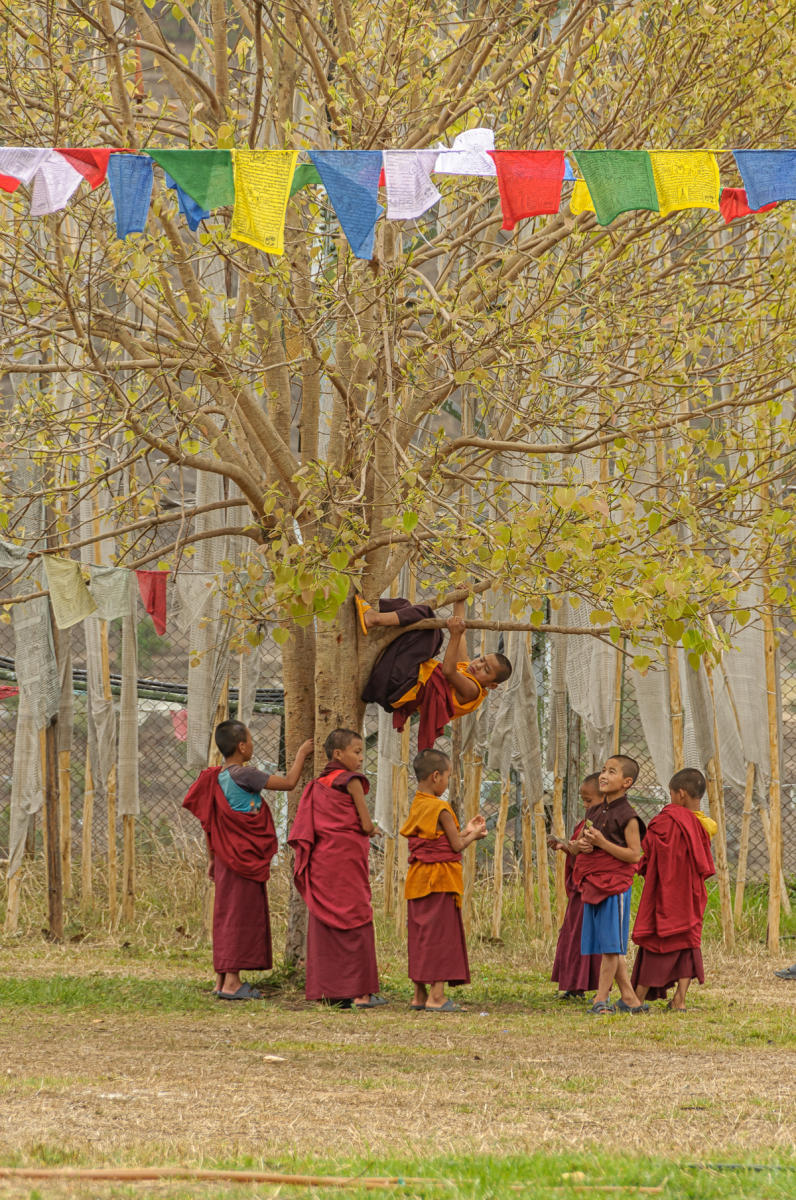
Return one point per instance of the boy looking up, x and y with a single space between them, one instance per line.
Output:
330 837
241 841
434 886
575 974
677 861
608 850
408 676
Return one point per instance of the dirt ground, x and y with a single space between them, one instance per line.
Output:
279 1079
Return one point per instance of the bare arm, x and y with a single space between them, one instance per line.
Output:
466 689
631 853
472 831
286 783
357 794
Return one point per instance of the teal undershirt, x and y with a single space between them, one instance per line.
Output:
238 797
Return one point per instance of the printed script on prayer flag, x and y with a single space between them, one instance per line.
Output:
262 189
618 181
410 190
685 179
54 184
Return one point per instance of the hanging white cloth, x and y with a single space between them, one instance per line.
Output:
410 191
54 184
468 154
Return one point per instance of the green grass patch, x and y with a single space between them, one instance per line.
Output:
568 1176
103 993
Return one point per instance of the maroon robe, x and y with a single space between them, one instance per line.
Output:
436 942
330 872
668 927
573 971
242 845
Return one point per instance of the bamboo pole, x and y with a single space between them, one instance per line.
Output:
783 887
497 861
52 823
128 868
676 714
473 774
616 740
541 864
743 847
774 815
529 898
65 792
113 854
87 831
139 1174
401 793
11 923
717 812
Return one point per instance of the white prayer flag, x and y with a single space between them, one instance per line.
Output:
21 162
468 154
54 185
410 191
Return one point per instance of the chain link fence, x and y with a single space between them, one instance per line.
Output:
164 777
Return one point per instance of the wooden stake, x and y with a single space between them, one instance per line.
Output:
743 847
783 887
559 831
401 793
113 856
86 849
527 862
716 797
497 861
128 868
65 792
541 867
55 891
138 1174
677 715
473 774
774 814
11 922
618 684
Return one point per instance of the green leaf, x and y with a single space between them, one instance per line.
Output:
339 559
280 635
409 520
673 630
554 559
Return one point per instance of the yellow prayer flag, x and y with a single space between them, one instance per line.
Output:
580 201
685 179
262 190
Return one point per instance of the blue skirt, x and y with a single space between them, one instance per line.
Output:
606 925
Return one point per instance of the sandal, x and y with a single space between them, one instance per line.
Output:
371 1002
629 1008
448 1006
601 1008
362 607
244 992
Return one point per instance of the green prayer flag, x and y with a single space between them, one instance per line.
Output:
304 175
618 181
206 175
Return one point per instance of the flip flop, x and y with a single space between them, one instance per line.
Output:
418 1007
786 972
244 992
362 607
372 1002
448 1006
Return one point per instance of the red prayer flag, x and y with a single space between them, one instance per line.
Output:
152 586
7 690
179 720
8 183
529 181
92 164
733 204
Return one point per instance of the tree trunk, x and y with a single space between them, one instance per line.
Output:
298 675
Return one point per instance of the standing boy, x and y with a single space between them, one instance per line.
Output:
608 851
331 840
574 973
242 841
677 861
408 676
434 886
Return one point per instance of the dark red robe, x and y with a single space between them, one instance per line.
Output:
436 942
573 971
331 874
668 927
599 874
242 846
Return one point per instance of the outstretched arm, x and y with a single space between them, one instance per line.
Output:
286 783
465 689
472 831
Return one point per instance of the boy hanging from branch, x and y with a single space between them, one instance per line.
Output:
408 677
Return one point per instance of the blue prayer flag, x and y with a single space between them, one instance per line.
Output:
768 175
130 179
569 174
193 212
351 179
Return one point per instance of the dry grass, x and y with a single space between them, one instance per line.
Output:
518 1072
